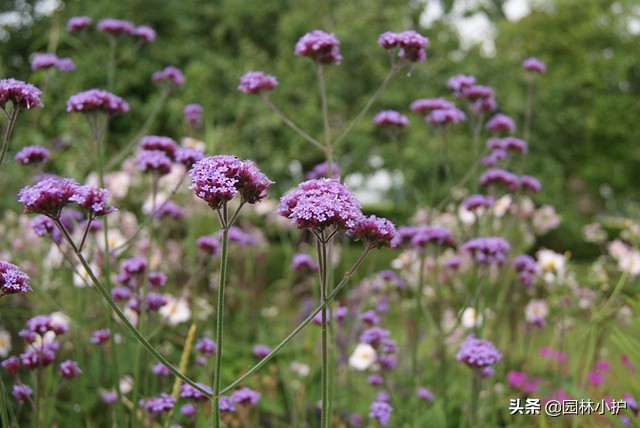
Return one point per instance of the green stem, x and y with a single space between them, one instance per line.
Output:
347 276
7 133
528 109
325 419
325 108
290 123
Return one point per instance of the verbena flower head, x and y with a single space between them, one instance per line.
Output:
418 237
424 394
96 100
30 155
427 105
390 118
69 369
48 196
156 142
494 158
193 114
487 250
93 199
145 33
459 83
478 353
411 44
534 65
21 392
48 60
500 123
445 116
261 351
255 82
21 94
321 170
158 405
78 23
515 145
320 203
206 346
478 92
12 279
43 225
209 244
474 202
155 161
500 176
484 105
530 183
169 74
373 231
381 411
319 46
188 156
216 179
303 262
116 27
245 396
100 336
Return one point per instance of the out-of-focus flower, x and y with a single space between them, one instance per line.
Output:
245 396
487 250
500 123
425 106
551 265
381 412
116 27
21 392
158 405
470 318
48 60
545 219
411 44
534 65
629 262
478 353
459 83
21 94
536 311
500 176
193 114
95 100
303 262
363 357
69 369
321 170
78 23
445 116
31 155
373 231
255 82
5 343
176 310
319 46
390 118
145 33
170 75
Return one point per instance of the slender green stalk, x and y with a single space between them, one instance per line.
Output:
528 108
290 123
345 279
7 133
325 419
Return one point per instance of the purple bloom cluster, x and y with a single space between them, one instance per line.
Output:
12 279
145 33
411 44
193 114
100 336
261 351
169 74
474 202
156 142
69 369
93 200
530 184
158 405
206 346
478 353
216 179
48 196
169 209
78 23
21 94
418 237
319 46
487 250
303 262
478 92
95 100
209 245
373 231
239 237
132 271
534 65
32 155
116 27
424 394
440 117
21 392
494 157
321 170
381 411
500 123
187 391
43 225
427 105
41 324
321 203
48 60
500 176
245 396
509 143
255 82
459 83
390 118
188 157
155 161
526 267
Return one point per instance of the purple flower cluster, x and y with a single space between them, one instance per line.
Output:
321 203
390 118
443 117
69 369
303 262
487 250
169 74
193 114
95 100
509 143
78 23
206 346
530 184
209 245
321 170
188 156
521 381
158 405
155 161
216 179
425 106
411 44
526 267
93 200
116 27
381 411
21 392
500 176
43 225
255 82
478 353
478 92
245 396
319 46
418 237
48 60
534 65
239 237
21 94
500 123
261 351
459 83
31 155
187 391
100 336
373 231
475 202
156 142
12 279
145 33
132 271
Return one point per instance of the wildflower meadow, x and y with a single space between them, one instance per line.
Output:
397 264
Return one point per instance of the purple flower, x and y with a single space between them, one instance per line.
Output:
500 123
169 209
373 231
116 27
109 397
32 155
474 202
419 236
375 380
390 118
209 244
100 336
500 176
530 183
595 377
69 369
239 237
96 100
187 391
155 142
155 301
157 405
515 145
381 412
534 65
424 394
155 161
370 318
41 356
93 200
388 40
319 46
427 105
484 105
478 353
78 23
193 114
412 45
459 83
21 392
12 279
145 33
157 279
48 196
321 170
245 396
226 404
45 61
188 409
159 369
321 203
255 82
43 323
496 156
340 313
120 294
487 250
303 262
261 351
525 263
131 271
374 336
216 179
478 92
11 365
516 379
21 94
187 156
206 346
169 74
450 115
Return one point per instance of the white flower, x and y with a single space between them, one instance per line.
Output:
545 219
466 216
630 263
502 205
126 384
5 343
551 265
176 310
301 369
618 249
536 311
362 357
470 318
192 143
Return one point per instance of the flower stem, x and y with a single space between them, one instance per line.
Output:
7 133
325 419
290 123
